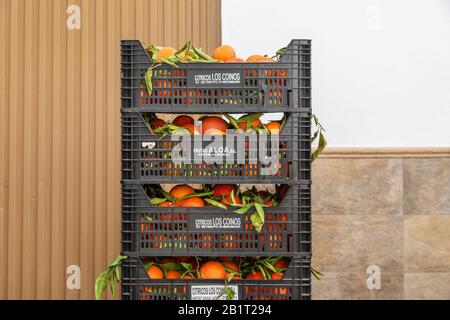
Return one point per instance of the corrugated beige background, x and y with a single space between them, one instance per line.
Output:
60 132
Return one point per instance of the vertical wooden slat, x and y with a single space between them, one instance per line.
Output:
60 132
59 111
73 150
195 35
87 153
15 153
30 196
43 159
4 139
113 184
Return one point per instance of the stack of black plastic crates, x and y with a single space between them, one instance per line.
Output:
284 86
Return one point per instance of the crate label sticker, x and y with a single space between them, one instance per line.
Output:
212 292
213 151
204 78
215 221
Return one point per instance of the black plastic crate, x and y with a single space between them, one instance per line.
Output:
295 285
147 157
266 87
211 231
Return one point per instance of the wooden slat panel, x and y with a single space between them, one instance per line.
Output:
60 132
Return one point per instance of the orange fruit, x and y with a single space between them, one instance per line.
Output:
277 276
254 58
214 126
191 127
231 60
212 270
156 123
274 127
231 265
188 277
166 204
255 123
255 276
225 191
265 59
180 191
183 120
165 53
154 272
172 274
223 53
192 202
281 264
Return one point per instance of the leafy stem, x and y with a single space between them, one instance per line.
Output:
109 277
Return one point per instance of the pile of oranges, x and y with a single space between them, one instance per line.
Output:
220 195
221 268
226 53
223 53
210 125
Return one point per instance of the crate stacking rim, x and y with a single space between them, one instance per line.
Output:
147 157
218 87
212 231
295 285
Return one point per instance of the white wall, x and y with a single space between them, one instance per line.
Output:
381 69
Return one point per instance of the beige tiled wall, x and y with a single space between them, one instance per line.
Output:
389 211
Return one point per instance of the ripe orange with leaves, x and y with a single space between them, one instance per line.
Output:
212 270
224 190
172 274
180 191
165 53
155 273
255 276
191 203
224 52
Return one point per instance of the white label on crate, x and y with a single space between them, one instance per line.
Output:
216 221
214 78
212 292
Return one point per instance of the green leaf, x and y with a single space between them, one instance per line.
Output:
170 266
157 201
148 81
216 203
263 271
197 195
244 209
233 201
260 210
232 120
203 55
250 117
118 260
118 274
186 266
269 266
100 284
229 293
256 221
170 63
168 196
112 287
148 265
191 53
186 47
